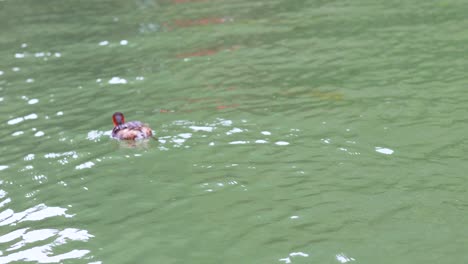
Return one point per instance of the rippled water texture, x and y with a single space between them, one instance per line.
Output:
288 131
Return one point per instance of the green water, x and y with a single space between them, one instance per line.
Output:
289 131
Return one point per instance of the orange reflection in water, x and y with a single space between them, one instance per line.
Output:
188 1
199 53
206 52
324 95
205 103
201 21
221 107
228 101
217 106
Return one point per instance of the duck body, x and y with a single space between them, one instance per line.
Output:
129 130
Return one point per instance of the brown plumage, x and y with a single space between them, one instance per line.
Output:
129 130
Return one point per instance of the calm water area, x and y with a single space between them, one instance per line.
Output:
289 131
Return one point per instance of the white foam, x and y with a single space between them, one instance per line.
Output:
29 157
30 116
15 121
185 135
95 135
234 130
201 128
117 80
85 165
57 155
178 140
33 101
385 151
225 122
21 119
39 134
238 142
342 258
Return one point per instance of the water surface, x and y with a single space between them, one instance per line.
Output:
289 131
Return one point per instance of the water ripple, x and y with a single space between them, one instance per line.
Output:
28 244
43 253
38 212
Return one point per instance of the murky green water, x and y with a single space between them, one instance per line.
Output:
289 131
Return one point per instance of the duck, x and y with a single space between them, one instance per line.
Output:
129 130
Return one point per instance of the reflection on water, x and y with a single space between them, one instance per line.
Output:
342 258
217 132
205 52
287 131
37 244
293 255
202 21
